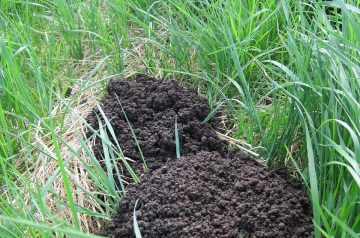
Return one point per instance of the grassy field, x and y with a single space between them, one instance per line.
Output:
287 74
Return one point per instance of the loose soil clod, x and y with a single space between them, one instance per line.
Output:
209 191
151 107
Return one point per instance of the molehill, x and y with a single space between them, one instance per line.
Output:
210 191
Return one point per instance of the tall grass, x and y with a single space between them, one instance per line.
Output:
41 46
285 72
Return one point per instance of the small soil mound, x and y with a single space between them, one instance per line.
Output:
152 106
207 195
208 191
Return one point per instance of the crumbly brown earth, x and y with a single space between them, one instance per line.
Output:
152 107
207 195
209 191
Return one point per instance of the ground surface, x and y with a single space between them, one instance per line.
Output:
208 191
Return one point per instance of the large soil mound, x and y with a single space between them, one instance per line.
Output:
208 191
207 195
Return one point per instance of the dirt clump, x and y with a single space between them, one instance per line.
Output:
208 192
207 195
152 107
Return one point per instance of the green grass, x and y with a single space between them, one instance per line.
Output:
281 70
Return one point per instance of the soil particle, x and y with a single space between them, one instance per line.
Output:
209 191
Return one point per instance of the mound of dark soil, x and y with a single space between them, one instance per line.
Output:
152 107
207 195
208 192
